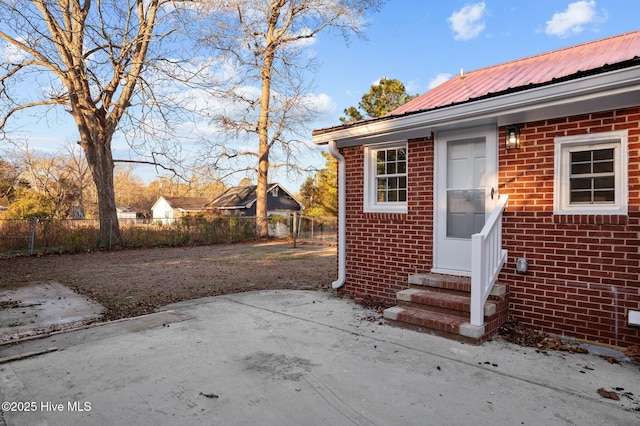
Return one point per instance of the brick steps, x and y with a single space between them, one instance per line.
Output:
445 302
441 305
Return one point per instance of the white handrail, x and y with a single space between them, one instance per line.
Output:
487 259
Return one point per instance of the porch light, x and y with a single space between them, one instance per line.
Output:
513 137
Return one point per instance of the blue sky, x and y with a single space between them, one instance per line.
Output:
421 42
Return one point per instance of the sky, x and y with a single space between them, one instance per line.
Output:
424 42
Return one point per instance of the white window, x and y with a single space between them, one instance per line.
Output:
385 183
591 174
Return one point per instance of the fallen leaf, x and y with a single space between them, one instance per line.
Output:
633 351
610 359
608 394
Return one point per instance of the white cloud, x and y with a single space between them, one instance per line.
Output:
321 103
302 38
413 87
438 80
572 20
11 53
467 23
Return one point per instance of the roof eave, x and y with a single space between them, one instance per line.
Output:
232 207
503 109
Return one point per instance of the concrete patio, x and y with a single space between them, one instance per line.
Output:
299 357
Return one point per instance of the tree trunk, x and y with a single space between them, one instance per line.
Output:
262 222
100 160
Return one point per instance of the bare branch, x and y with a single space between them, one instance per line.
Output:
14 110
153 163
264 42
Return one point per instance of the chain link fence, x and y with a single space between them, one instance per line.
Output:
42 236
318 230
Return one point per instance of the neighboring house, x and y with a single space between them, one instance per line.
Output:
528 171
168 209
126 212
241 201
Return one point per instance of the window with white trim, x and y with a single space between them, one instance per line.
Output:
591 174
386 178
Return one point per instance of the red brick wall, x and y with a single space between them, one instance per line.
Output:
584 270
382 248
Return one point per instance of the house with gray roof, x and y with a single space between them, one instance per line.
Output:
241 201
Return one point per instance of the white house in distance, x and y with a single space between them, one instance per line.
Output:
126 212
168 209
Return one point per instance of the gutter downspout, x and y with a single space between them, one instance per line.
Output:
342 214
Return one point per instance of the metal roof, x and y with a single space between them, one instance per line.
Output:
529 72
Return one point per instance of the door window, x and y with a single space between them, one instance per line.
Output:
466 169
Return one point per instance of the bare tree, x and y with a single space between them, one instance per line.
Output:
48 174
10 173
78 170
94 59
263 42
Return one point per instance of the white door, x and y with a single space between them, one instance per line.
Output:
465 194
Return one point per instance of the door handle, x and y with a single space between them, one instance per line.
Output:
493 191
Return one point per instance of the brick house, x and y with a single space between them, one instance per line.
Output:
509 191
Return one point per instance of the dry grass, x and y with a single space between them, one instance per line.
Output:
138 281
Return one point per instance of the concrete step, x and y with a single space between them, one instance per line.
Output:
448 283
445 282
441 305
425 319
439 324
456 304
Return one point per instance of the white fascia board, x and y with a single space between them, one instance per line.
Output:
550 97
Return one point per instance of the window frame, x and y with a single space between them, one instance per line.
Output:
564 146
371 203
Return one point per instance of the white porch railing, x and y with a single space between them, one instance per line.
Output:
487 259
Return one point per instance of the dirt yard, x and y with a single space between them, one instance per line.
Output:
135 282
